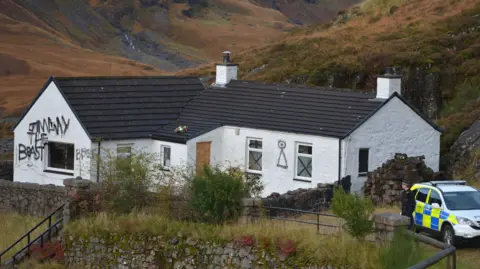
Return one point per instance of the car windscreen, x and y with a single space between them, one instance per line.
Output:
463 200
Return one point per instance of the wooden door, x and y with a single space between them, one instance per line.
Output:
203 155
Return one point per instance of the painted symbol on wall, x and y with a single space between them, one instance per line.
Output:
282 159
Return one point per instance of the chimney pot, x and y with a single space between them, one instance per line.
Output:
226 57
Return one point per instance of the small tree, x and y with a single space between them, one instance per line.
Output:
217 195
356 210
127 182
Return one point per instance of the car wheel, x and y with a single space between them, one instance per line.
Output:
448 235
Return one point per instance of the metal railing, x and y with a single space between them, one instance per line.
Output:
276 214
47 233
447 251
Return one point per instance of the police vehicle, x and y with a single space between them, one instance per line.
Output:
447 208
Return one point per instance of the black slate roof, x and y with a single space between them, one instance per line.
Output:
127 107
286 108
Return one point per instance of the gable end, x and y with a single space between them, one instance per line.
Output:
51 79
395 94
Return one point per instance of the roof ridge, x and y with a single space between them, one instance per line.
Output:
123 77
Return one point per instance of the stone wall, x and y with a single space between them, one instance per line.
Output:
313 199
137 251
6 170
29 198
384 185
6 146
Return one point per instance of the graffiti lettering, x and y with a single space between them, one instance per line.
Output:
35 150
81 154
48 125
38 132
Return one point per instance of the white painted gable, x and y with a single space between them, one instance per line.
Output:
395 128
49 119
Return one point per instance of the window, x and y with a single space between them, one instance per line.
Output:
165 152
435 198
304 161
254 154
124 151
464 200
422 195
60 155
362 162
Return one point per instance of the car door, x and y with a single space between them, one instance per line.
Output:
434 221
421 202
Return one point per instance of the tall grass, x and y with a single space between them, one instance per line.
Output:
12 227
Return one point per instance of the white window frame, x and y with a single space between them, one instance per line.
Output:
162 155
248 149
297 146
48 168
124 146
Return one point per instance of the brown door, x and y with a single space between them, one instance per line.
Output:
203 155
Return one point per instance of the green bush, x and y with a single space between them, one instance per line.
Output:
401 252
126 183
217 195
356 210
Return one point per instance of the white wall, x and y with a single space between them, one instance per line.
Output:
178 152
30 159
228 148
395 128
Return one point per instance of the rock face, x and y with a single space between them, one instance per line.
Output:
6 170
384 184
29 198
136 251
6 146
462 152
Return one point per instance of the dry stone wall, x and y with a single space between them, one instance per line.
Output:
384 185
137 251
29 198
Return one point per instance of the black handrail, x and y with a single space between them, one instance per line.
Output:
40 237
28 234
446 251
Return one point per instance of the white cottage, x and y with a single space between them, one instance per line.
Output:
291 136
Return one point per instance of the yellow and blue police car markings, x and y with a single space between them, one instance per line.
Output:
425 217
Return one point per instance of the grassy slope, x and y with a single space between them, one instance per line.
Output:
12 227
440 36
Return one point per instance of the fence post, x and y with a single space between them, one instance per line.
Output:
318 223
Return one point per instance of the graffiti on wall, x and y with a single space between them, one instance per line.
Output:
38 132
81 154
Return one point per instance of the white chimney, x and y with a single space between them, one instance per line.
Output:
226 71
388 83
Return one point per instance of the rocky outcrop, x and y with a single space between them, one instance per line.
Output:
464 152
6 170
384 185
6 146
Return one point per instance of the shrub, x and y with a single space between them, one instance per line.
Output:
356 210
127 183
217 195
401 246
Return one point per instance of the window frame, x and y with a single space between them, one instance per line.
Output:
363 174
50 169
426 197
129 145
162 155
297 155
248 148
439 195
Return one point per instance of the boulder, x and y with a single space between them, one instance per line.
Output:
463 151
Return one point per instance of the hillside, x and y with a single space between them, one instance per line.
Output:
435 42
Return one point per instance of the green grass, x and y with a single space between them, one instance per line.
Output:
12 227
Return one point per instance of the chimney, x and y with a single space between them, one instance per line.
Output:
388 83
226 71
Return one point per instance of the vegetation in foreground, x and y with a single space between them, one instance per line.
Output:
12 227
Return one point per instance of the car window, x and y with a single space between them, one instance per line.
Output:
434 198
422 195
463 200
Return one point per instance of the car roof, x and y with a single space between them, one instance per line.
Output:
446 187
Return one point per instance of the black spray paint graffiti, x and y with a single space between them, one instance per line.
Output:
82 153
38 132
